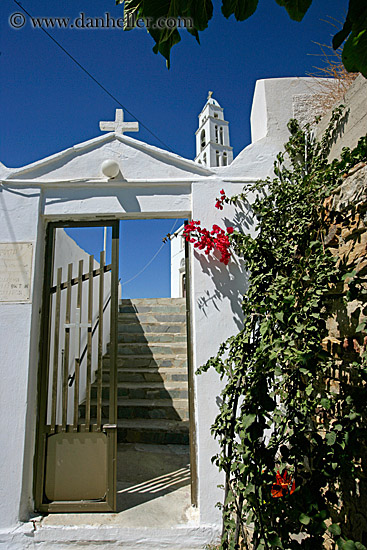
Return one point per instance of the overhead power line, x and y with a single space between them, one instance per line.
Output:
150 261
93 78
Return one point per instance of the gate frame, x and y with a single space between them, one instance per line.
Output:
109 505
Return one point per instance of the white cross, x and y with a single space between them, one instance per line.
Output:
118 125
78 325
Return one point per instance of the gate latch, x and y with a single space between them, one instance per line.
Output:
109 427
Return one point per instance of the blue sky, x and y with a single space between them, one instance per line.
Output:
48 104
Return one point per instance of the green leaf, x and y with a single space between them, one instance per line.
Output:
304 519
248 419
354 54
274 540
295 8
325 403
360 546
330 438
335 529
361 326
201 12
241 9
348 545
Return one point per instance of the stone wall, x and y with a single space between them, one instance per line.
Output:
347 239
346 214
354 124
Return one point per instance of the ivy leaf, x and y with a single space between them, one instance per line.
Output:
359 546
348 545
361 326
274 540
250 488
325 403
248 419
242 9
304 519
331 438
295 8
280 316
335 529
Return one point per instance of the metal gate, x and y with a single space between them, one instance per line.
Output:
75 461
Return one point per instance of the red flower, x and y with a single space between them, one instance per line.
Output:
230 230
283 485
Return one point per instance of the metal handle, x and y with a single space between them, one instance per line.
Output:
109 427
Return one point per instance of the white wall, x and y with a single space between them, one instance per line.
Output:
177 263
19 324
217 294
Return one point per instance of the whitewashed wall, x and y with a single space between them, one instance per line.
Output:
19 336
177 263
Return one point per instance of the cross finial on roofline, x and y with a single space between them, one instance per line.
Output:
118 125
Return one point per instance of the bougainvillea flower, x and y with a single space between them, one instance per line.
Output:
283 485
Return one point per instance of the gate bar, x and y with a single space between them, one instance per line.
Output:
65 388
100 342
56 351
89 343
77 336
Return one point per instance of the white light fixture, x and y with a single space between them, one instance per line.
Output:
110 168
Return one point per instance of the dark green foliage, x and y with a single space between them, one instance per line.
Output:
278 412
201 11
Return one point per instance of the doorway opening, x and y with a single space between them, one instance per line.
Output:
132 383
152 370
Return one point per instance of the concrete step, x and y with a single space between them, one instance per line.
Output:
152 405
152 317
135 326
167 409
147 361
154 431
126 301
166 375
145 390
153 349
134 307
151 338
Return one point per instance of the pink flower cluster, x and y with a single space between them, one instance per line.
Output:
208 241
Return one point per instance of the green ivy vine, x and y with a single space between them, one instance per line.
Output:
286 407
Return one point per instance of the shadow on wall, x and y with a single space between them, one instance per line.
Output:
231 282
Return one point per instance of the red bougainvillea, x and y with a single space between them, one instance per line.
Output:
220 201
206 240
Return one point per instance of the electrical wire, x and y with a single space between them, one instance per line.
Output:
93 78
150 261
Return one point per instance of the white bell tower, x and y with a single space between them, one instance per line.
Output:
212 136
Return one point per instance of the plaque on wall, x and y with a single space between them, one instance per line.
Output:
15 272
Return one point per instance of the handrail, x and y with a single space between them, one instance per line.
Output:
85 277
71 377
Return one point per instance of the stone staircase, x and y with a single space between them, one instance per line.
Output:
152 404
